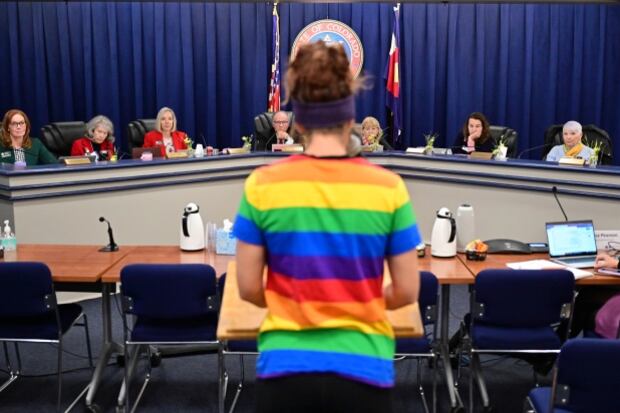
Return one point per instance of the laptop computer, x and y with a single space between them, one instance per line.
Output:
572 243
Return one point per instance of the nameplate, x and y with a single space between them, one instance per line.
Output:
287 147
571 161
237 151
481 155
75 160
419 150
176 155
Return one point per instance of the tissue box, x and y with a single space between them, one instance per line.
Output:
225 242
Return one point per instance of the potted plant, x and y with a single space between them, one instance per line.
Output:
596 148
430 142
247 143
500 150
189 144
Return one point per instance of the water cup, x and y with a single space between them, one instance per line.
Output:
199 152
211 236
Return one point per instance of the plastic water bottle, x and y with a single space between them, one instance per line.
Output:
9 242
465 226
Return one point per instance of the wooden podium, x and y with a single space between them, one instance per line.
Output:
240 320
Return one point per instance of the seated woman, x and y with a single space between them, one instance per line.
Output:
572 147
607 320
16 145
372 132
475 136
165 135
99 139
587 310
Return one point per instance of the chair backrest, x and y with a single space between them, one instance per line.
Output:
427 301
169 291
136 131
264 132
587 376
25 290
58 137
509 135
553 136
592 134
522 298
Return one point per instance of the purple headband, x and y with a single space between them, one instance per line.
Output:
324 114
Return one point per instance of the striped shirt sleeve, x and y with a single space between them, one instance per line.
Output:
404 235
247 223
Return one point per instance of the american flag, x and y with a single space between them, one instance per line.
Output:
392 98
274 86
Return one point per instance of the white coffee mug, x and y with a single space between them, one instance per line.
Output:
199 152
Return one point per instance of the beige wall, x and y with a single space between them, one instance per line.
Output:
509 201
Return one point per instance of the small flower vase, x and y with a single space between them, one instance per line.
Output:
593 161
428 150
500 155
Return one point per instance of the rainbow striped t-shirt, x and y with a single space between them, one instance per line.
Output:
327 224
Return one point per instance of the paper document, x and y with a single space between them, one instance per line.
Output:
547 265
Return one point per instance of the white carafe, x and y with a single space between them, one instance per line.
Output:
443 237
465 226
192 231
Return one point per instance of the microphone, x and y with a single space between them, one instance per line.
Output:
554 189
533 148
112 246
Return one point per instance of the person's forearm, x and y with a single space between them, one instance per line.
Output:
256 297
397 299
250 267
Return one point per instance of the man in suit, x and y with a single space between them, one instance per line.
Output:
280 125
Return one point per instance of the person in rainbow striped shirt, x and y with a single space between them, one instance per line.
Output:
324 223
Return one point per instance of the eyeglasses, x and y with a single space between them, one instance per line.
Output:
280 122
16 124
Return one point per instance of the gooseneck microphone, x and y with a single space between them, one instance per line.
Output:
533 148
112 246
554 189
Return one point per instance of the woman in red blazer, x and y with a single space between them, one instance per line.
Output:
165 135
99 139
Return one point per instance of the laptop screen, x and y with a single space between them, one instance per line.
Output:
571 238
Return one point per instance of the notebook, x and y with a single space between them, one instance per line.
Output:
572 243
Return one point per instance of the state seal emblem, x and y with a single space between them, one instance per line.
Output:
333 31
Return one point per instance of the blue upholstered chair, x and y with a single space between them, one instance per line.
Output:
424 347
171 304
514 312
29 314
586 380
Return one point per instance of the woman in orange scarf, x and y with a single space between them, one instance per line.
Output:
572 147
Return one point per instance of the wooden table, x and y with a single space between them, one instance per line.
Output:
499 261
69 263
168 254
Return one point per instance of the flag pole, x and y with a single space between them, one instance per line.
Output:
273 104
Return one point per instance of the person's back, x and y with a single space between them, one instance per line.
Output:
324 223
328 224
